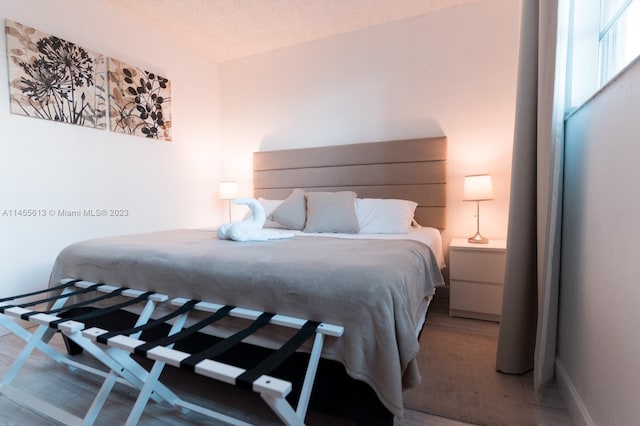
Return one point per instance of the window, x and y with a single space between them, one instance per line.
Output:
604 37
619 38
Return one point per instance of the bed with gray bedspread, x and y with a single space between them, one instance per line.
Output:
371 287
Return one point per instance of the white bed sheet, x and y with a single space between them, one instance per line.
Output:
426 235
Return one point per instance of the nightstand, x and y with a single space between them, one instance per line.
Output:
476 274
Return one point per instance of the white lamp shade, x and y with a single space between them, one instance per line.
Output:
228 190
478 188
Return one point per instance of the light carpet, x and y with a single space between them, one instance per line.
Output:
459 380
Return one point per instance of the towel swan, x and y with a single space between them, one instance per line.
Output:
251 228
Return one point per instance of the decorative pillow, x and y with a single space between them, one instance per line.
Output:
382 216
331 212
269 206
292 212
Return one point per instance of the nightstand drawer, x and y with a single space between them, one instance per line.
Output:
470 265
475 297
476 273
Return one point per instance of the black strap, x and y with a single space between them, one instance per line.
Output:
226 344
104 311
169 340
106 296
46 290
60 296
150 324
274 360
66 308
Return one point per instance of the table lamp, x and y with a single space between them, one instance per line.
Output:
228 191
478 188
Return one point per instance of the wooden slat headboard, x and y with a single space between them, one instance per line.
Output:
411 169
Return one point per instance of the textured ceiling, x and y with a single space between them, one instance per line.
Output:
229 29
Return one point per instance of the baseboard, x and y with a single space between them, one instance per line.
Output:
474 315
577 409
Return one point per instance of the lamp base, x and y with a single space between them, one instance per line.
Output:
478 239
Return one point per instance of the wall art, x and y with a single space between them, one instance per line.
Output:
139 101
54 79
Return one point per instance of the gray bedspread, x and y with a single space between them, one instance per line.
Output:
371 287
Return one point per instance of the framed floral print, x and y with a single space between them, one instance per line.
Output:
54 79
139 101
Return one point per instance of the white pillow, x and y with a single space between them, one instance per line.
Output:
384 216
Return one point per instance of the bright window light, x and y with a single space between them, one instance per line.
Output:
619 36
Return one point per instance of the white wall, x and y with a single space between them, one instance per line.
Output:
450 73
599 342
48 165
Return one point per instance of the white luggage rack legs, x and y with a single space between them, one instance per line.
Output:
48 323
113 349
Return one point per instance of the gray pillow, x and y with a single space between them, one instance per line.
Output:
292 212
331 212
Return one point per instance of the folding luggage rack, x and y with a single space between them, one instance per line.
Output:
113 348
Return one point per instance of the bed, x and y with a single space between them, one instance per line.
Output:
377 286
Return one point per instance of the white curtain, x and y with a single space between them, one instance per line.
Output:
529 321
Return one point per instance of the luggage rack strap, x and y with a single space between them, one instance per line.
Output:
204 363
121 343
67 283
153 323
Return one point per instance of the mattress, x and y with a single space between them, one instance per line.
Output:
376 286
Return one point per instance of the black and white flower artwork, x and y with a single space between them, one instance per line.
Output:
139 101
54 79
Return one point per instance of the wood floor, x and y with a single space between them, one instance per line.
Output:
74 392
